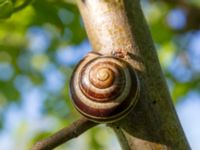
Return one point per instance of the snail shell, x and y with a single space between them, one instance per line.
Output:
104 88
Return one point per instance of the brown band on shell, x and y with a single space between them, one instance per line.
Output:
107 90
108 102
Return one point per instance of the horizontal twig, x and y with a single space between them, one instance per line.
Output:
64 135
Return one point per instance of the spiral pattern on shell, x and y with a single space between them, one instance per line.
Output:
104 88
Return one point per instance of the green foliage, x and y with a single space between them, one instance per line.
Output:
33 63
6 8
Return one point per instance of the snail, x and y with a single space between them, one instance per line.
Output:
104 88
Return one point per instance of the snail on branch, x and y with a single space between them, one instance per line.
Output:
104 88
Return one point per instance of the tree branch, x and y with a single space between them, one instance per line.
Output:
114 25
65 134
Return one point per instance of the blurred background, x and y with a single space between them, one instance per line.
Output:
39 47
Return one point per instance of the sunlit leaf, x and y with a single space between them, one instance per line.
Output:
6 8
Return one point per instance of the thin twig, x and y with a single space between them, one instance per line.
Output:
65 134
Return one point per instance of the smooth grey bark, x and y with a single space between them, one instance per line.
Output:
118 26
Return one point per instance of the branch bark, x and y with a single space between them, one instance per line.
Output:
119 25
66 134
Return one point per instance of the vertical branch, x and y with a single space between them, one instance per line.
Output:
119 25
